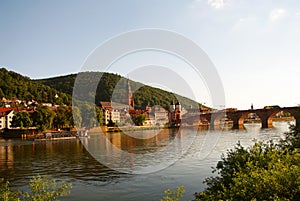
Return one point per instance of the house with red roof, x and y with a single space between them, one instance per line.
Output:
6 116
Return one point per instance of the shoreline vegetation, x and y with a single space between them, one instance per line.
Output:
263 171
71 133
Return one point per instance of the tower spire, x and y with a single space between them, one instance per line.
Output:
130 99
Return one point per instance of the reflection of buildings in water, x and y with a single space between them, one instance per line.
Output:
148 140
6 157
123 151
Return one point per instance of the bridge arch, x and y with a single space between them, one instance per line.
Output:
265 115
238 116
214 119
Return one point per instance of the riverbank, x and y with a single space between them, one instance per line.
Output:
71 161
33 134
19 133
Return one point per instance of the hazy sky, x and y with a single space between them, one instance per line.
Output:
255 45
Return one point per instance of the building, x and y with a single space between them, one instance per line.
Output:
111 111
130 99
115 116
160 115
6 116
175 114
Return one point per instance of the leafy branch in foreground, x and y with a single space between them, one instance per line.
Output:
173 195
262 172
41 189
292 138
5 193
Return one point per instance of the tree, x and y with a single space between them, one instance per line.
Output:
262 172
292 139
41 189
76 119
88 115
43 118
62 117
139 120
173 195
99 115
6 194
15 85
22 119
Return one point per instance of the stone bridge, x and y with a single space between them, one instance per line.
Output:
238 116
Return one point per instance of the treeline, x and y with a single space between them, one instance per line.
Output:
64 117
98 86
91 87
14 85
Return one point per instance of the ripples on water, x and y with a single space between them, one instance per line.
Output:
69 160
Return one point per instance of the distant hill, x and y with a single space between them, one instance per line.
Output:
113 83
14 85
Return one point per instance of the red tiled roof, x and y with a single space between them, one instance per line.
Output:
6 109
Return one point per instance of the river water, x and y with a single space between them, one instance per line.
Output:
175 158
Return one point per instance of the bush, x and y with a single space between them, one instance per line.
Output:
41 189
173 195
262 172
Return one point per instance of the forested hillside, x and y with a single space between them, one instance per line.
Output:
114 86
108 86
14 85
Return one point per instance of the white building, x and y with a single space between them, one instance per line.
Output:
6 116
115 116
111 111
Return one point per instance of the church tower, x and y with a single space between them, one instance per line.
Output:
130 99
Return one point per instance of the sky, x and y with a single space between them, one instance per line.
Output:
254 45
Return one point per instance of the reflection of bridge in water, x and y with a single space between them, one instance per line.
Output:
238 116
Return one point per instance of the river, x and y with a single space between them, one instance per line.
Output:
188 164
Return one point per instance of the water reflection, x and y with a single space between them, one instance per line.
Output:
139 154
61 159
6 158
70 161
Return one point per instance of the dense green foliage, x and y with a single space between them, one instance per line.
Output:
63 117
14 85
89 115
109 86
292 139
22 120
40 189
171 195
43 118
139 120
265 171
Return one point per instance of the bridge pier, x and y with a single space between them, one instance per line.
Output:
238 121
297 118
238 126
266 123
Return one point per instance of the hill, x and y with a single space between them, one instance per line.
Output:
113 86
14 85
